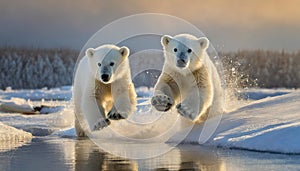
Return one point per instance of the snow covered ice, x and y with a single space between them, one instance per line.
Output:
43 122
11 137
17 105
62 93
270 122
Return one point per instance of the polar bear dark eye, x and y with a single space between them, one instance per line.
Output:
189 51
175 49
112 64
99 64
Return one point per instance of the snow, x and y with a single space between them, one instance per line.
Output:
271 125
17 105
11 137
62 93
68 132
144 92
256 94
269 122
40 125
53 116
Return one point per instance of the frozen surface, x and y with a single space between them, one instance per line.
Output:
62 93
256 94
68 132
48 113
53 118
16 105
11 137
271 122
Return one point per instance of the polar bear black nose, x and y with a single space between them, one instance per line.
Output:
181 63
105 77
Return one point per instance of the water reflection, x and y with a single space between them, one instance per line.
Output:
90 157
78 155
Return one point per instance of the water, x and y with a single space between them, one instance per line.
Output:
71 154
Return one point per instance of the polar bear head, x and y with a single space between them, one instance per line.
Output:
108 62
184 51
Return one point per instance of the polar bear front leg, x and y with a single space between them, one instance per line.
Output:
94 114
195 104
191 105
164 96
166 92
124 103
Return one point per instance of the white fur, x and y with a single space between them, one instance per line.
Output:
116 95
193 101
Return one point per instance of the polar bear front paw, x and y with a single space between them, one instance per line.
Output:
102 123
186 111
116 116
113 114
162 102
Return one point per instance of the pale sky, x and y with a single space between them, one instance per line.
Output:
229 24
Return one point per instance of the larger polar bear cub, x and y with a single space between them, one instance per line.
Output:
103 89
189 79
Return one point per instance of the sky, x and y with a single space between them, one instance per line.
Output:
229 24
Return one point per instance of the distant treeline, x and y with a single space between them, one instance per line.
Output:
37 68
268 69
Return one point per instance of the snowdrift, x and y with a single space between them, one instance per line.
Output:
11 137
16 105
270 125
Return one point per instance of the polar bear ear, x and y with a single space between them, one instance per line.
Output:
90 52
124 51
204 43
165 40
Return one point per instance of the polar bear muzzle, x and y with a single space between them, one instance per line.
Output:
105 74
182 60
181 63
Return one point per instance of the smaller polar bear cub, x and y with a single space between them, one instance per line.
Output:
103 89
189 79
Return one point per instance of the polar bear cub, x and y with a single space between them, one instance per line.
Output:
189 79
103 89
